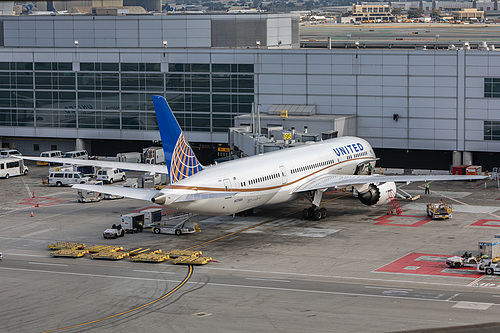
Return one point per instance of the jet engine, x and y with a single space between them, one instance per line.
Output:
375 195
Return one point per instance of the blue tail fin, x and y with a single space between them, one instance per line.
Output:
180 158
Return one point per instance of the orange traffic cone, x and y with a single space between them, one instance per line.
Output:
31 213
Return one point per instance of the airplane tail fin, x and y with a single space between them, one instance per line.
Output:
180 158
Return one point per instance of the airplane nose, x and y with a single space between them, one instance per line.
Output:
160 198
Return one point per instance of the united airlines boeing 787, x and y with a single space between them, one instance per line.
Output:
272 178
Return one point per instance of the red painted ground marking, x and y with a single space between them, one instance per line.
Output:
427 264
484 223
42 201
388 219
477 185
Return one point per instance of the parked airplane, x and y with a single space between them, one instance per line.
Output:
266 179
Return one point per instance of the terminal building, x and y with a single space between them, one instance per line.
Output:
86 81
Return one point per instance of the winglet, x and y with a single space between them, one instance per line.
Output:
180 158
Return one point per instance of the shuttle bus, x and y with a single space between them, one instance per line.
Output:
12 167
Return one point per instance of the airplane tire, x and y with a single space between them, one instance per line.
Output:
305 214
323 213
317 214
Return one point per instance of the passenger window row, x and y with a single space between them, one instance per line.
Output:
312 166
260 179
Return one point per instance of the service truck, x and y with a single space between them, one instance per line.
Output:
131 157
133 222
153 155
152 216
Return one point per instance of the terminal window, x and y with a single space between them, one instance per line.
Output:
492 87
492 130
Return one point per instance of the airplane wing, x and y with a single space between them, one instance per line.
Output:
157 168
129 192
327 181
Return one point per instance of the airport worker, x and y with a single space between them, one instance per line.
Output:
369 168
427 188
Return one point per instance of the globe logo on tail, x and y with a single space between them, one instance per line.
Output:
184 163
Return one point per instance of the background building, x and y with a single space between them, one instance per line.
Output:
419 108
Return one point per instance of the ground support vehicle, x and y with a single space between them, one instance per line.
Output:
111 175
67 178
133 222
191 260
99 248
68 253
153 155
152 216
66 245
439 211
487 266
140 250
11 166
111 197
178 253
131 182
184 224
466 260
131 157
109 255
51 153
90 196
114 232
156 256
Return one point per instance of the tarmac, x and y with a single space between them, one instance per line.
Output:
404 32
358 270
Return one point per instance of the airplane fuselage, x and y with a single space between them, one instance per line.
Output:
268 178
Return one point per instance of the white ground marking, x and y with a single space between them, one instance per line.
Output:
472 305
45 263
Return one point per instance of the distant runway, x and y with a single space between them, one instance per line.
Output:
409 32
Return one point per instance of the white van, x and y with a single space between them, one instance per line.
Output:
9 152
12 167
111 175
51 153
80 154
60 178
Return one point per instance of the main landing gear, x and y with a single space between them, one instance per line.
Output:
315 212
